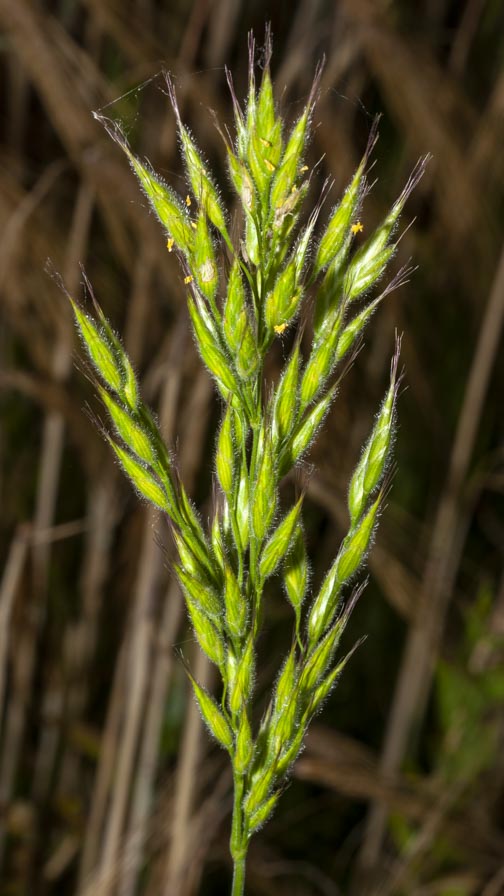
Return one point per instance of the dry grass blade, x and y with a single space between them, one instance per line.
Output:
8 587
180 855
448 532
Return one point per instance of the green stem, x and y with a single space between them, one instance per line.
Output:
238 846
238 876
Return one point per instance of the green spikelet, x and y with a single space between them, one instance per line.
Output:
234 309
211 353
262 814
244 744
260 787
225 457
323 690
353 330
243 507
350 556
370 469
320 364
203 259
283 301
290 752
206 633
101 353
241 685
279 543
199 176
166 204
296 574
289 168
236 606
242 183
130 429
265 121
238 332
306 431
217 542
143 479
285 403
202 184
338 234
365 270
213 717
320 657
286 683
265 498
198 590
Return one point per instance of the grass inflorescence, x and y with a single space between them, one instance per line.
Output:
238 309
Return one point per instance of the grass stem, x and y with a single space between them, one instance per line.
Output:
238 845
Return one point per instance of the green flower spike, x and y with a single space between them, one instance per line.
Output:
244 297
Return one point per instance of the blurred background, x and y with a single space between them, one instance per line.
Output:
108 783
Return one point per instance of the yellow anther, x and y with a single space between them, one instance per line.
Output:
170 243
357 228
188 200
265 142
279 328
188 279
269 165
303 169
194 225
